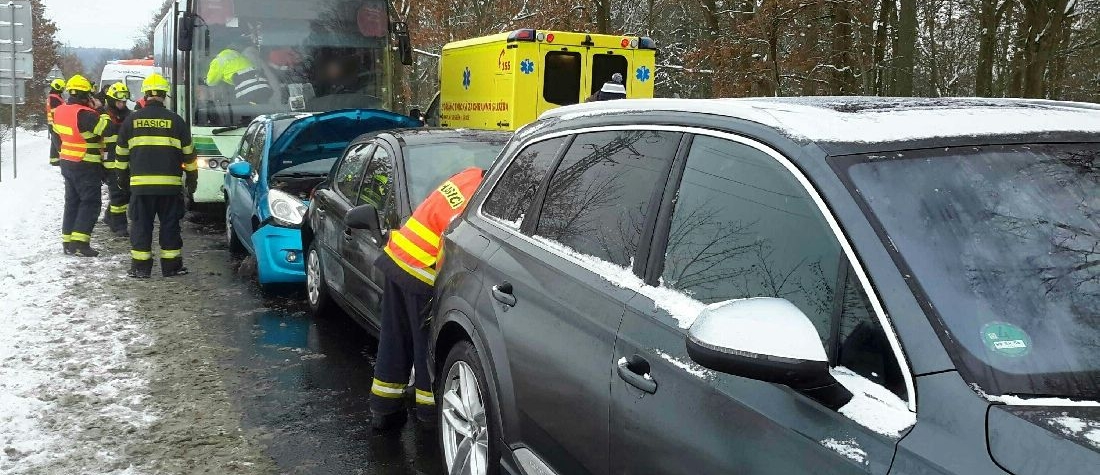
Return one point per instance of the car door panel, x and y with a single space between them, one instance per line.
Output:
328 230
558 338
361 248
702 421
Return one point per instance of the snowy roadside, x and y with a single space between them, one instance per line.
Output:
72 396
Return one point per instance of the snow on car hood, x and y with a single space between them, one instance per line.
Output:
1045 439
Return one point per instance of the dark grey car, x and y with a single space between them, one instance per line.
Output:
820 285
384 176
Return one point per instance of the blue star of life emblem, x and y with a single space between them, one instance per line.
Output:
527 66
642 73
466 78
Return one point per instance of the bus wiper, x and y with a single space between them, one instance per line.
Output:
222 130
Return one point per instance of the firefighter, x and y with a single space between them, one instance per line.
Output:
235 69
80 130
156 143
409 266
53 101
118 173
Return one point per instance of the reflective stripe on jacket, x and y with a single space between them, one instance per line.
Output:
155 143
78 145
415 247
53 101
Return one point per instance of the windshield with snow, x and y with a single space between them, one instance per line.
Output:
316 56
1003 244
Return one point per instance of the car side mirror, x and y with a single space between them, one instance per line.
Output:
185 32
364 217
241 170
404 42
767 339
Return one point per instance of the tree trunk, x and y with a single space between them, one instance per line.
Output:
987 44
1044 20
842 81
907 48
710 17
930 20
880 46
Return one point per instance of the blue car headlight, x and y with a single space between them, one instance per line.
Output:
286 210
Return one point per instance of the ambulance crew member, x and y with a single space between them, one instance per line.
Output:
156 143
409 266
236 70
80 130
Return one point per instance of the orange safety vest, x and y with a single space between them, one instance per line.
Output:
74 143
50 108
415 247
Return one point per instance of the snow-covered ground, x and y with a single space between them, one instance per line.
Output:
71 397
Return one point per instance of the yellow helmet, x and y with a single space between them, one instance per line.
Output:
78 83
57 84
155 82
118 91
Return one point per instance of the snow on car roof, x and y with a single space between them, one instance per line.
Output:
872 119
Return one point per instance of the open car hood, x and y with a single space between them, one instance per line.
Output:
327 133
1029 440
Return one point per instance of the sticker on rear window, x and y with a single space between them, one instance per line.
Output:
1006 339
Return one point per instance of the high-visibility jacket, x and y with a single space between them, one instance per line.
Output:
235 69
156 144
53 101
81 131
415 247
110 138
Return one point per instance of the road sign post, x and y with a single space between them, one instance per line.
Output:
18 49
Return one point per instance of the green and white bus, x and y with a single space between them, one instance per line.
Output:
317 55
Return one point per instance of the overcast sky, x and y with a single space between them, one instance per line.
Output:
88 22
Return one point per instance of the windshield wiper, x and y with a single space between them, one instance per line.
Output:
222 130
299 174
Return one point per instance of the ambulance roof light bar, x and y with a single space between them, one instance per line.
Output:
527 34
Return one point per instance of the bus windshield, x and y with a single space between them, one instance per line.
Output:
254 57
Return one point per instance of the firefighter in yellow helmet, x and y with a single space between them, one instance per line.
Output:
236 70
118 173
156 143
53 101
80 129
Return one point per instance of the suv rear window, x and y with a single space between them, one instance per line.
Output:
598 199
516 189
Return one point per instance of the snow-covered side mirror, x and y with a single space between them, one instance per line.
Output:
766 339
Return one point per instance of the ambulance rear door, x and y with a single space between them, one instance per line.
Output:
562 77
604 62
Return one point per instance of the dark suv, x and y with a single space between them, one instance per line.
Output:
820 285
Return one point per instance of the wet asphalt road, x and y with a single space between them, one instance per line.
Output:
300 384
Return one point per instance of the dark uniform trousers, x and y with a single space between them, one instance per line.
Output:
405 301
118 194
145 210
82 199
55 148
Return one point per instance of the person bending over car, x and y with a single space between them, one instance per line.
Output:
409 265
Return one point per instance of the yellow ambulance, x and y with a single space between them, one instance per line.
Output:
504 81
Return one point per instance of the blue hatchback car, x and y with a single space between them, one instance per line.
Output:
280 159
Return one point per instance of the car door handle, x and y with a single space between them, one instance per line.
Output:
635 371
503 294
347 234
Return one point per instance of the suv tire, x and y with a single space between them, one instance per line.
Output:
463 431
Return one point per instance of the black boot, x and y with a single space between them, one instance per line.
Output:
83 249
140 269
172 267
68 246
388 422
119 225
